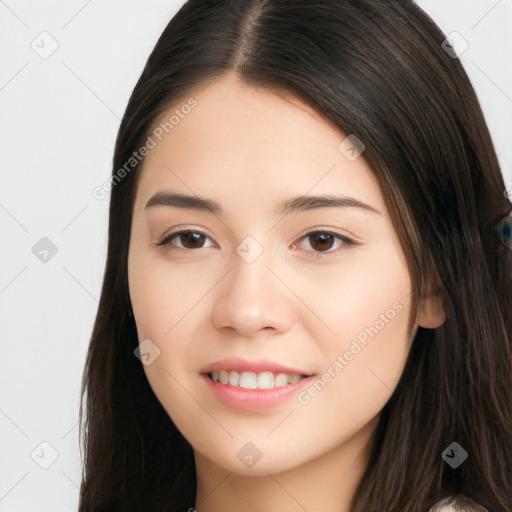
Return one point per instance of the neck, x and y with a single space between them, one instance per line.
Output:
325 483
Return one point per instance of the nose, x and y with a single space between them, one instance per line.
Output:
252 299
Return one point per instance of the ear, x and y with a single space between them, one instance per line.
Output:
432 312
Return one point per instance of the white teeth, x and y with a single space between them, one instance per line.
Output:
248 380
265 380
233 378
251 380
280 380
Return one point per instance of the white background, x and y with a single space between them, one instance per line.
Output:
59 119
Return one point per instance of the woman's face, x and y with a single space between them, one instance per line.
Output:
321 290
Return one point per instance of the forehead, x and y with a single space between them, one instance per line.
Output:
250 143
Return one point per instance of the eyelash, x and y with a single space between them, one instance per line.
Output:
166 240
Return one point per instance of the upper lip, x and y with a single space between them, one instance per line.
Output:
239 364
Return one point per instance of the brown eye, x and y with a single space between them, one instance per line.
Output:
188 239
322 243
191 239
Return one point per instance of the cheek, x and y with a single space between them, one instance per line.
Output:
367 288
367 307
162 294
362 369
167 304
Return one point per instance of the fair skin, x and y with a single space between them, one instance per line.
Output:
199 301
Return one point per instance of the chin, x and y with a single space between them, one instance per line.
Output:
240 463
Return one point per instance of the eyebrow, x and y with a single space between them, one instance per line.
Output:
292 205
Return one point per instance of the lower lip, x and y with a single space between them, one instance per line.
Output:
241 398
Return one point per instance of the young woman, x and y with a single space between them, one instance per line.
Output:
307 295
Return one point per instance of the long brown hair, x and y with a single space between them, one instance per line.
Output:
376 69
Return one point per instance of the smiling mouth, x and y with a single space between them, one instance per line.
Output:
252 380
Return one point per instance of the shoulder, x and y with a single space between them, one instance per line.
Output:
457 503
